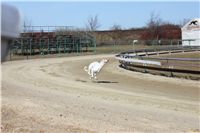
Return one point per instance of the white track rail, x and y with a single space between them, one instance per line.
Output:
135 60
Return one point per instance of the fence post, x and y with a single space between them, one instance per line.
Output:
77 48
10 55
80 47
26 55
95 45
114 46
171 42
22 46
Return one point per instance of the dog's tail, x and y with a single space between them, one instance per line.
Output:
86 68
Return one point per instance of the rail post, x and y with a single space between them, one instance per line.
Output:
146 53
145 69
171 74
157 52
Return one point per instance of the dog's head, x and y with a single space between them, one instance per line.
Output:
105 60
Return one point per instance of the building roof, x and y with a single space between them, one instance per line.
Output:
193 24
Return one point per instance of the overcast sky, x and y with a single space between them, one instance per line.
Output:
127 14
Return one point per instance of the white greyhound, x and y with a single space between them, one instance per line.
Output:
95 67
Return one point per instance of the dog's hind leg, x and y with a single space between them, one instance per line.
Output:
92 74
95 75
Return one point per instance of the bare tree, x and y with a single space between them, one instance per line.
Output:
116 27
93 23
184 21
153 25
157 29
154 20
27 25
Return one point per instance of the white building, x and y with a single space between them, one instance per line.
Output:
191 33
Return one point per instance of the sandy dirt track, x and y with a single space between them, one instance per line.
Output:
56 96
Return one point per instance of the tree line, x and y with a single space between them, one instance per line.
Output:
154 29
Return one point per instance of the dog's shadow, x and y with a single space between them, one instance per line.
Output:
80 80
98 81
104 81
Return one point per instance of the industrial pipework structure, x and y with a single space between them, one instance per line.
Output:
53 39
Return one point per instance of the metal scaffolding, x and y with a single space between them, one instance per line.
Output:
52 40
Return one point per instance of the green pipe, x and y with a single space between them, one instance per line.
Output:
48 44
30 46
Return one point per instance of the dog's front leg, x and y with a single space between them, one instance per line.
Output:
92 74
